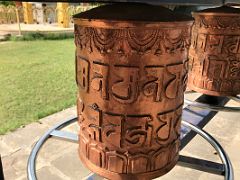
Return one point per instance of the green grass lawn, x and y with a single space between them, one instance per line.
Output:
37 78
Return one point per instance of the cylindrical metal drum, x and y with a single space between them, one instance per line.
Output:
214 56
131 65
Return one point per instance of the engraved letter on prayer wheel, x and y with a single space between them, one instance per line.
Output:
131 72
214 56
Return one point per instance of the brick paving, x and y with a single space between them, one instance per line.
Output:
59 160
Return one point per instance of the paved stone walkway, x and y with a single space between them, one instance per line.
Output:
13 28
58 160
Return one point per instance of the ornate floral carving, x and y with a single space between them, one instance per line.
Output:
156 41
218 22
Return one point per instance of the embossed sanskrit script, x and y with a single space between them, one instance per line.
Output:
156 82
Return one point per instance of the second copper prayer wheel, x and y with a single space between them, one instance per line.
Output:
131 72
214 56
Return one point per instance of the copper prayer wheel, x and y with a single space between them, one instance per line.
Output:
214 56
131 72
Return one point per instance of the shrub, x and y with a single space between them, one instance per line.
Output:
42 36
7 3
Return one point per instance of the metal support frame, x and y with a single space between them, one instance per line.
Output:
226 169
235 98
193 121
31 169
213 107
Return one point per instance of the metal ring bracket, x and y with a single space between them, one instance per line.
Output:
229 175
224 169
31 166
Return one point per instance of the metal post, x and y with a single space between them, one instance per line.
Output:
1 169
18 21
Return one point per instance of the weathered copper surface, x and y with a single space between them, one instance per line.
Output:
214 57
131 77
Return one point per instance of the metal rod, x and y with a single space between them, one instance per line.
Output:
93 176
199 117
65 135
211 107
31 166
18 22
202 165
235 98
222 154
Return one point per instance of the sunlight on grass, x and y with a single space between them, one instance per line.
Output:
36 79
